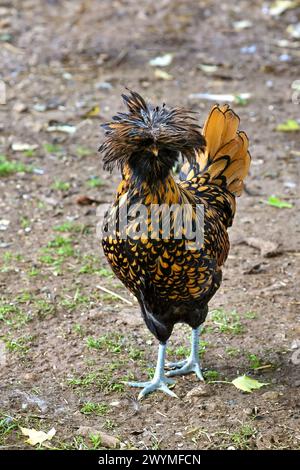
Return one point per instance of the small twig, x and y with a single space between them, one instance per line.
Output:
218 382
104 289
267 366
159 413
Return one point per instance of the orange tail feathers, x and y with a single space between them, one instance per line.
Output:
226 159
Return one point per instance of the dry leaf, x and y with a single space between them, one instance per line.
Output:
59 127
243 24
280 6
294 30
161 61
22 147
208 68
37 437
84 200
162 75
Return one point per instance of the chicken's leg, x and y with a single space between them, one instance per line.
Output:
159 381
192 363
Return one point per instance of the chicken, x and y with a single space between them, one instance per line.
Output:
167 240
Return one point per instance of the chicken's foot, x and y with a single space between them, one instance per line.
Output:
159 381
192 363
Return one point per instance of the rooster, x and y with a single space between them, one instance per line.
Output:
173 276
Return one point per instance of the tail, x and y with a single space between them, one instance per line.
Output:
226 160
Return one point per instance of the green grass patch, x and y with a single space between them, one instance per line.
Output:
19 345
69 227
95 182
101 379
254 361
10 167
52 148
241 438
83 151
232 352
98 409
250 315
78 299
61 185
56 252
211 375
113 343
7 426
227 322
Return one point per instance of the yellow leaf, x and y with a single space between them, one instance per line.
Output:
93 112
162 75
247 384
37 437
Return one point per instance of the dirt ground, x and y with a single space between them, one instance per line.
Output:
66 346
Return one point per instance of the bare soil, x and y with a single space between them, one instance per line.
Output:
63 341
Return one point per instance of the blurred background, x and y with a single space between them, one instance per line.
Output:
64 65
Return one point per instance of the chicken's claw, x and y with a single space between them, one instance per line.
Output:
185 367
192 363
153 385
159 381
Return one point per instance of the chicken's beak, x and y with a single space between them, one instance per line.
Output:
154 149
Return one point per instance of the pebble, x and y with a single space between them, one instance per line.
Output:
103 86
20 107
108 441
272 395
295 344
200 391
4 223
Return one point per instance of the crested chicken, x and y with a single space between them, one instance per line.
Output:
165 238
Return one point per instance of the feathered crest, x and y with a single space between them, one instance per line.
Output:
143 125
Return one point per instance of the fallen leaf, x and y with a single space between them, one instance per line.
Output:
247 384
58 127
93 112
86 200
243 24
284 43
162 75
276 202
22 147
208 68
217 98
288 126
294 30
37 437
161 61
280 6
